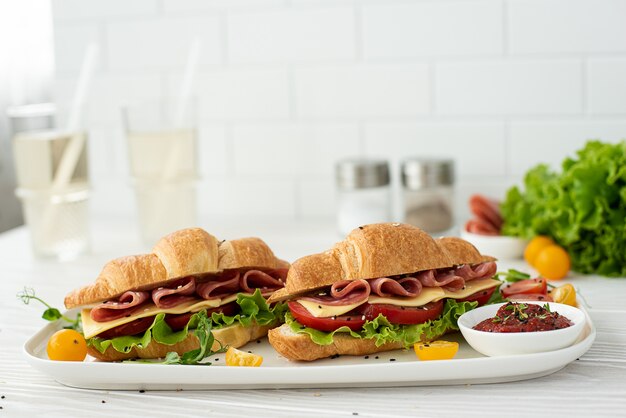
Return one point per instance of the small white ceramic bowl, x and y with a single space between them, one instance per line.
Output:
503 344
498 246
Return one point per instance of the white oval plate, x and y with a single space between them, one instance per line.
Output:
468 367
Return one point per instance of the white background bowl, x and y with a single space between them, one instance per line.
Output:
498 246
502 344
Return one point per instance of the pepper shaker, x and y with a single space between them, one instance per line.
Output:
428 193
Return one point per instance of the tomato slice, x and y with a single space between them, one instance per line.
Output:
405 315
328 324
482 296
528 286
530 296
130 328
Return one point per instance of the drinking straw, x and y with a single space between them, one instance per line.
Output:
76 143
184 99
75 146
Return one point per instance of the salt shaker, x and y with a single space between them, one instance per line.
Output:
428 192
363 193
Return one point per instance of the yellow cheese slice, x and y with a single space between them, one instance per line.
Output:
318 310
227 300
92 328
471 287
428 294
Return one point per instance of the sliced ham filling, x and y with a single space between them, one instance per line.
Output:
186 290
126 304
174 294
347 292
256 279
446 279
387 287
225 285
344 292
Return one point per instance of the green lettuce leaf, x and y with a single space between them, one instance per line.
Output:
583 208
382 331
254 309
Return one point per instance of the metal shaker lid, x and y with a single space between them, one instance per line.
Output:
422 173
361 173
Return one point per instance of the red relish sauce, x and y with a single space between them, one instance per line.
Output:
524 317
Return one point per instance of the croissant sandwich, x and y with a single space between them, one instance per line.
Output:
385 287
146 306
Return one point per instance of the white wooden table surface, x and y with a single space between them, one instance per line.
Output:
593 386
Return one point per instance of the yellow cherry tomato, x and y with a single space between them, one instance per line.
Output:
236 357
553 262
67 345
535 246
565 294
436 350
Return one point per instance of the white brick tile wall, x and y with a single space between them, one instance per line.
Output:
249 197
537 142
565 26
292 36
362 91
240 94
607 85
321 146
260 150
108 92
162 43
70 44
432 28
173 6
316 198
287 87
510 87
307 150
471 144
81 9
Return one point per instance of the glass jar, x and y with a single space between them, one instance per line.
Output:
428 193
363 193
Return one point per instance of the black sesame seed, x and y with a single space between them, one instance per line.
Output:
250 352
258 341
392 359
142 391
103 401
2 397
366 357
376 357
